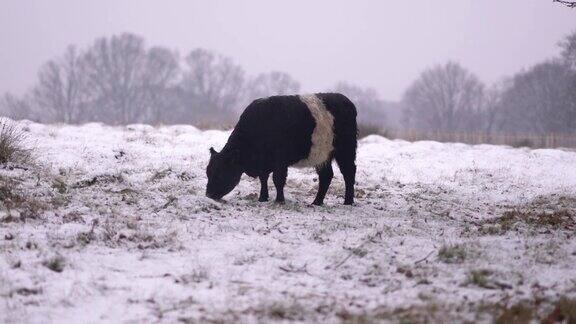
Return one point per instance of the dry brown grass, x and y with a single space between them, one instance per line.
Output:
564 312
561 219
18 206
456 253
519 313
12 144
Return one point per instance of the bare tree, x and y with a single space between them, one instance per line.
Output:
128 83
491 116
541 100
61 88
17 108
115 69
371 109
160 79
568 46
445 98
272 83
212 86
569 4
568 55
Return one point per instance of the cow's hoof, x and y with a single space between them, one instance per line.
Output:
349 203
280 201
317 203
263 199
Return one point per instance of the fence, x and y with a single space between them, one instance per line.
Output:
552 140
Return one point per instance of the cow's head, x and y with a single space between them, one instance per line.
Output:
224 172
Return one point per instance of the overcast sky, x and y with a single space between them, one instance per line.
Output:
382 44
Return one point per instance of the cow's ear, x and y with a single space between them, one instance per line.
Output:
212 151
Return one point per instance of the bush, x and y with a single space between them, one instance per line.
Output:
370 129
524 143
12 144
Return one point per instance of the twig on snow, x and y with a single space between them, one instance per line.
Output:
292 269
353 251
424 258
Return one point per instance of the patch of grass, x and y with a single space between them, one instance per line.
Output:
26 291
8 194
19 206
12 142
547 252
113 234
350 318
431 312
485 278
425 314
519 313
55 263
244 259
456 253
161 174
357 251
291 311
564 311
60 185
84 238
196 276
560 219
479 277
100 179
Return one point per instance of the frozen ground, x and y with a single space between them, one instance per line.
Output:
111 224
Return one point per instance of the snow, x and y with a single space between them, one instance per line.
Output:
141 243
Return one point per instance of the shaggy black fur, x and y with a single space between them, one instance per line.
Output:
276 132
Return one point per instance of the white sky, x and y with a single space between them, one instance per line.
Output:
383 44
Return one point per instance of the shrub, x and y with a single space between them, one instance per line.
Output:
12 144
524 143
370 129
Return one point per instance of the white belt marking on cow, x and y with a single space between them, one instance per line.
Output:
323 134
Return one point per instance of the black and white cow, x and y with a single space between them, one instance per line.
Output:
277 132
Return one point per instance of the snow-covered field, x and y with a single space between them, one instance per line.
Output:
111 224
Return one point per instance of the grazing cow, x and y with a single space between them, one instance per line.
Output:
277 132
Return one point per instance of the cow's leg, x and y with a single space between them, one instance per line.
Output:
348 168
279 178
325 174
263 187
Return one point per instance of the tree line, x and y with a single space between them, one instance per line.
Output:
119 80
540 99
